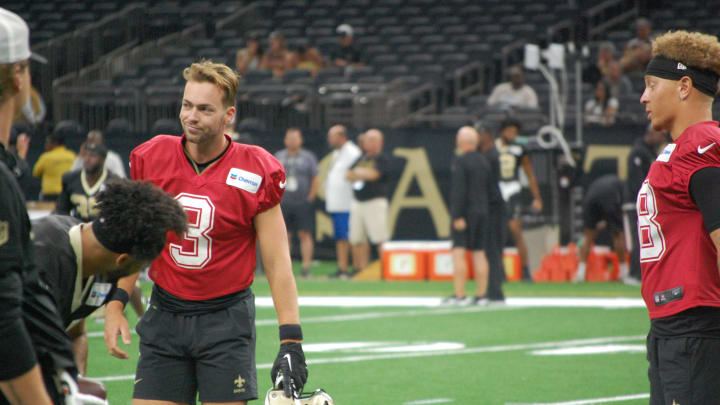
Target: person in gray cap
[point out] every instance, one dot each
(515, 93)
(345, 54)
(30, 326)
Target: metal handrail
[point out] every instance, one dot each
(461, 72)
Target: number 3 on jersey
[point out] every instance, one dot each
(652, 240)
(201, 216)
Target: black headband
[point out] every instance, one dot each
(665, 68)
(106, 238)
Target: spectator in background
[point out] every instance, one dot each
(610, 71)
(274, 59)
(638, 52)
(642, 155)
(301, 185)
(249, 58)
(514, 93)
(112, 162)
(338, 193)
(52, 164)
(603, 108)
(304, 57)
(370, 177)
(346, 53)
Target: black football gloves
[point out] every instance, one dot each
(290, 364)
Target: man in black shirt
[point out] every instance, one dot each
(81, 262)
(497, 218)
(602, 208)
(643, 154)
(470, 192)
(28, 344)
(345, 54)
(368, 211)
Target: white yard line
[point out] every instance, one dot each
(383, 301)
(430, 401)
(620, 398)
(429, 302)
(470, 350)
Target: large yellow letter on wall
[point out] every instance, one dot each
(418, 168)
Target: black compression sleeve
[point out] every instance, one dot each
(705, 191)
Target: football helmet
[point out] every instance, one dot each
(277, 396)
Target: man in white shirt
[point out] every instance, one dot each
(339, 194)
(113, 161)
(514, 93)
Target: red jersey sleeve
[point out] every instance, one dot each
(273, 186)
(701, 150)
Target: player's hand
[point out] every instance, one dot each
(290, 362)
(537, 205)
(116, 324)
(459, 224)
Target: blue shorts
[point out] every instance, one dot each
(340, 225)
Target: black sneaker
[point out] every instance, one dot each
(480, 301)
(340, 274)
(454, 300)
(305, 273)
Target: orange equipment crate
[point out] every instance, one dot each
(405, 260)
(512, 264)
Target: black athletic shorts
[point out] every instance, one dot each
(515, 205)
(212, 354)
(298, 216)
(474, 237)
(683, 370)
(596, 210)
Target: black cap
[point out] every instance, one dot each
(97, 148)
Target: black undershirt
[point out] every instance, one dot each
(202, 166)
(705, 192)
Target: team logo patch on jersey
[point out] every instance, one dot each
(665, 155)
(98, 293)
(244, 179)
(4, 232)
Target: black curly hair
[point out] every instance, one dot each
(134, 218)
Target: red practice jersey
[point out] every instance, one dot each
(217, 256)
(678, 258)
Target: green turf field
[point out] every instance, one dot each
(456, 355)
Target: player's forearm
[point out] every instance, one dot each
(284, 293)
(126, 283)
(275, 253)
(366, 173)
(80, 349)
(313, 188)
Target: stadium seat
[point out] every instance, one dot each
(257, 76)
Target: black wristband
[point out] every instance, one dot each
(120, 295)
(290, 332)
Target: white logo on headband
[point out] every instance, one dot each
(680, 66)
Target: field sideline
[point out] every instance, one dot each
(549, 344)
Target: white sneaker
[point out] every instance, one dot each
(455, 301)
(481, 301)
(580, 275)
